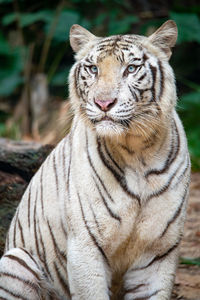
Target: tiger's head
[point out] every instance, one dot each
(123, 82)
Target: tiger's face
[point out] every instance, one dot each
(119, 84)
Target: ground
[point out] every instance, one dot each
(187, 282)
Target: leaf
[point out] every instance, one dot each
(6, 1)
(27, 19)
(100, 19)
(66, 20)
(188, 26)
(188, 100)
(8, 85)
(11, 59)
(4, 46)
(60, 78)
(190, 261)
(9, 18)
(120, 26)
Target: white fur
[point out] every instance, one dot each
(97, 221)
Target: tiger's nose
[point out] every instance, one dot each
(105, 105)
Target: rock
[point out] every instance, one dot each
(22, 158)
(18, 163)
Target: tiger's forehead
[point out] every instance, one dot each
(124, 47)
(109, 67)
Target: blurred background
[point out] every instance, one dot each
(35, 58)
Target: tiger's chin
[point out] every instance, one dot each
(109, 128)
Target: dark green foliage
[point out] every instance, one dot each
(189, 110)
(45, 25)
(11, 66)
(190, 261)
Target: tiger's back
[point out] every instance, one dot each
(103, 217)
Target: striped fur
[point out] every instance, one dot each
(103, 217)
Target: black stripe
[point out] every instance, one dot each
(124, 48)
(69, 169)
(90, 233)
(15, 228)
(31, 257)
(41, 190)
(2, 298)
(142, 77)
(135, 288)
(86, 70)
(16, 295)
(64, 230)
(64, 161)
(29, 206)
(35, 225)
(165, 187)
(94, 170)
(44, 259)
(147, 296)
(161, 79)
(176, 214)
(122, 58)
(62, 281)
(125, 122)
(101, 48)
(150, 142)
(76, 81)
(179, 178)
(145, 57)
(107, 163)
(111, 158)
(24, 281)
(22, 263)
(112, 214)
(107, 41)
(131, 54)
(125, 110)
(21, 233)
(120, 179)
(88, 60)
(130, 152)
(136, 59)
(95, 219)
(123, 44)
(135, 97)
(59, 254)
(55, 172)
(76, 77)
(160, 257)
(7, 242)
(128, 40)
(153, 73)
(170, 158)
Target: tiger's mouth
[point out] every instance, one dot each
(123, 122)
(105, 118)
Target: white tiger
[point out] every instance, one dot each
(103, 217)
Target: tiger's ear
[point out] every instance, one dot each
(79, 37)
(165, 37)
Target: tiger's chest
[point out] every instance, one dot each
(119, 208)
(111, 204)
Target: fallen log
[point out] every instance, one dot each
(18, 163)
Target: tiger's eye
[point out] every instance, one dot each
(131, 68)
(94, 69)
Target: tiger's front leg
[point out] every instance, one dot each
(89, 276)
(20, 276)
(154, 281)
